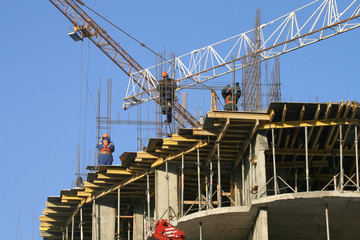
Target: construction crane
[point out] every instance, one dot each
(86, 27)
(277, 37)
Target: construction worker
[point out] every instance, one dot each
(106, 148)
(166, 89)
(231, 98)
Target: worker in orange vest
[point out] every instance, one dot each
(166, 89)
(231, 97)
(106, 148)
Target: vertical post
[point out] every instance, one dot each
(198, 173)
(219, 175)
(72, 228)
(63, 235)
(250, 172)
(200, 230)
(211, 182)
(296, 177)
(243, 182)
(307, 161)
(274, 161)
(341, 161)
(182, 186)
(129, 228)
(327, 222)
(67, 233)
(94, 220)
(357, 158)
(118, 215)
(148, 202)
(168, 189)
(81, 225)
(206, 191)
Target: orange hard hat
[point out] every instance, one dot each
(164, 74)
(105, 135)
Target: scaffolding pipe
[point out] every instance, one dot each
(219, 175)
(81, 225)
(274, 161)
(243, 182)
(250, 173)
(168, 189)
(118, 215)
(211, 182)
(198, 173)
(67, 233)
(307, 161)
(148, 202)
(129, 229)
(357, 158)
(182, 186)
(72, 228)
(327, 222)
(341, 161)
(200, 230)
(63, 235)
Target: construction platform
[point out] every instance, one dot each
(289, 172)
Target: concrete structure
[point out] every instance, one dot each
(288, 173)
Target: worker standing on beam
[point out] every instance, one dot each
(231, 97)
(166, 89)
(106, 148)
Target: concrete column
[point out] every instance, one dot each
(261, 144)
(138, 228)
(103, 225)
(161, 193)
(260, 227)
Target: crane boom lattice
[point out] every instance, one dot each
(279, 36)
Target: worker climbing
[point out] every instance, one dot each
(106, 148)
(231, 97)
(166, 89)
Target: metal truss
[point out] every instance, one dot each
(282, 35)
(90, 29)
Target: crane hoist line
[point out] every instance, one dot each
(88, 28)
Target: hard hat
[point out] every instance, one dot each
(164, 74)
(230, 90)
(105, 135)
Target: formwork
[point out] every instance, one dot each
(289, 172)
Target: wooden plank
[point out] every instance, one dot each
(309, 123)
(252, 116)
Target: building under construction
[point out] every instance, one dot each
(290, 172)
(274, 170)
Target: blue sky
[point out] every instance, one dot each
(41, 69)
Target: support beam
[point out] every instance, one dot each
(218, 139)
(310, 123)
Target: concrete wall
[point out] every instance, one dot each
(161, 193)
(138, 228)
(259, 230)
(104, 222)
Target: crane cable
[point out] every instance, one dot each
(127, 34)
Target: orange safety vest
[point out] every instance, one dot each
(227, 99)
(106, 149)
